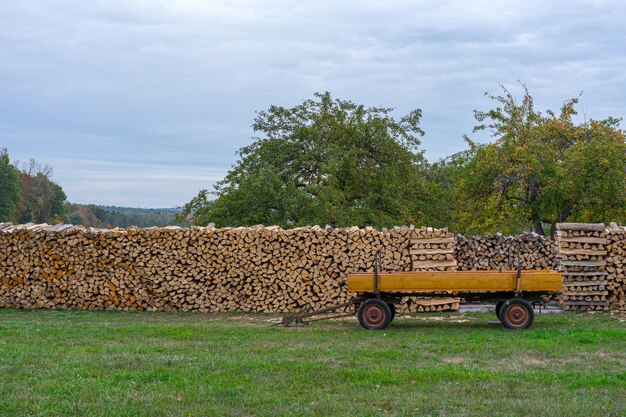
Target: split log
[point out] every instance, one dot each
(581, 227)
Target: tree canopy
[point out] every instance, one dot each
(329, 161)
(325, 161)
(542, 169)
(28, 194)
(332, 161)
(41, 199)
(9, 188)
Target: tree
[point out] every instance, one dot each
(325, 161)
(9, 188)
(41, 200)
(543, 169)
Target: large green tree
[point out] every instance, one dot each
(542, 169)
(9, 188)
(324, 161)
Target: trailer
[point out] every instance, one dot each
(378, 293)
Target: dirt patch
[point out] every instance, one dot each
(453, 359)
(619, 316)
(447, 319)
(522, 361)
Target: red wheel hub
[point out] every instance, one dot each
(517, 315)
(374, 315)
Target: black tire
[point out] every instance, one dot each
(517, 314)
(374, 314)
(392, 307)
(499, 308)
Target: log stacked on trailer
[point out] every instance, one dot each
(432, 250)
(582, 254)
(498, 252)
(616, 267)
(430, 305)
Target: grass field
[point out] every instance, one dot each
(164, 364)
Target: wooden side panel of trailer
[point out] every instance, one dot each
(456, 281)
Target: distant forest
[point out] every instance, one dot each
(113, 216)
(29, 195)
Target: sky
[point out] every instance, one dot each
(144, 102)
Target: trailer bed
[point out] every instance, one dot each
(429, 282)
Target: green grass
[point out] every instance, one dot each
(190, 364)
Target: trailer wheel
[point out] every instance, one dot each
(517, 314)
(374, 314)
(499, 308)
(392, 307)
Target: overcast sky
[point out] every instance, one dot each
(144, 102)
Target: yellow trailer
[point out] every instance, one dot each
(514, 290)
(377, 294)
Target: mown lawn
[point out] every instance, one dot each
(189, 364)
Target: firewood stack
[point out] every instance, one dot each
(583, 259)
(206, 269)
(498, 252)
(616, 267)
(432, 250)
(272, 269)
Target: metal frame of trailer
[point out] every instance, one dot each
(377, 294)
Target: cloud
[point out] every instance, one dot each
(142, 185)
(177, 83)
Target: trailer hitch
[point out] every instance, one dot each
(305, 315)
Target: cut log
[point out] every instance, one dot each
(585, 227)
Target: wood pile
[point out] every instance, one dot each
(206, 269)
(432, 305)
(616, 268)
(583, 259)
(498, 252)
(271, 269)
(432, 250)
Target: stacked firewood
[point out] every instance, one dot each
(498, 252)
(272, 269)
(616, 267)
(430, 305)
(205, 269)
(583, 259)
(432, 250)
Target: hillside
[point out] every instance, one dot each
(114, 216)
